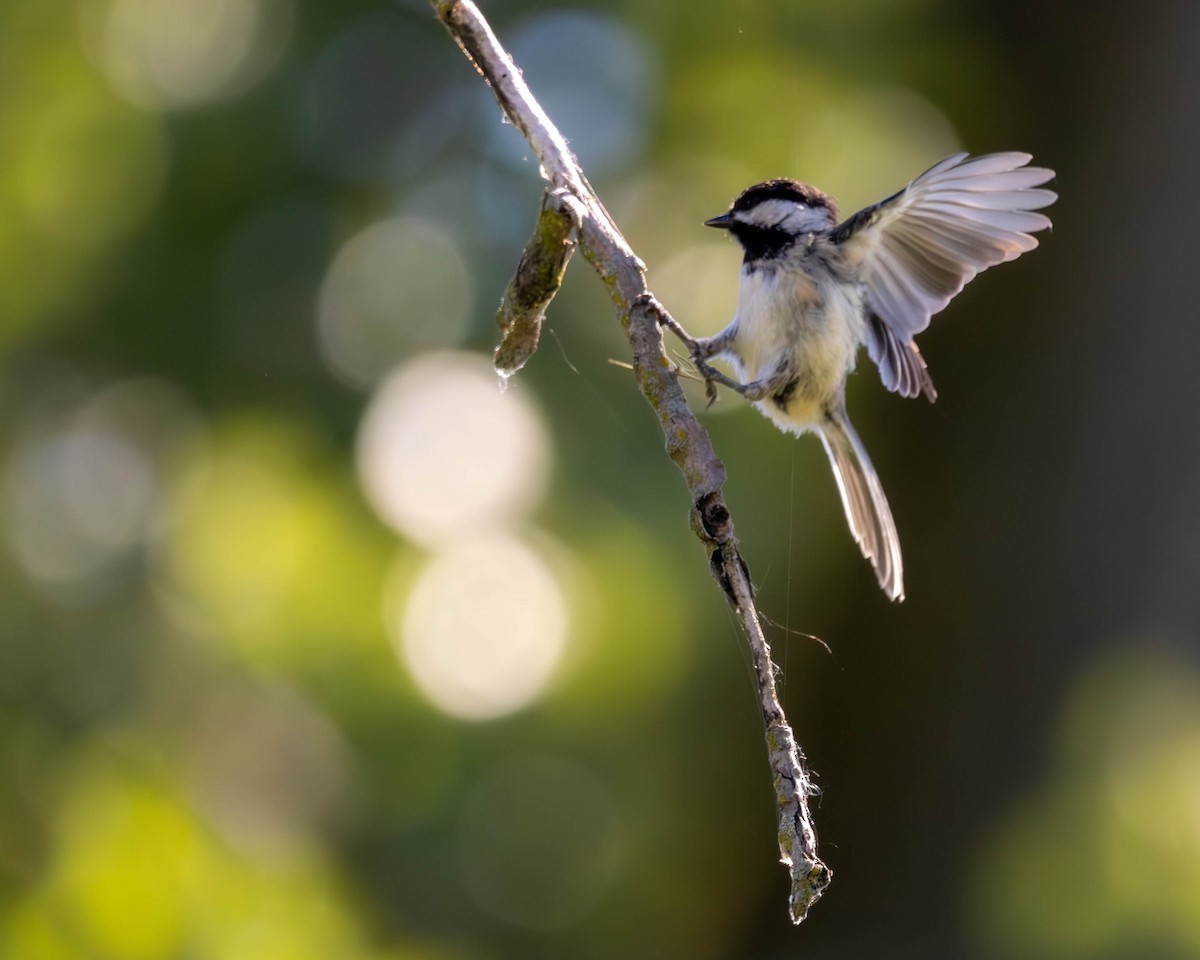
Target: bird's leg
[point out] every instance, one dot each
(757, 390)
(781, 383)
(701, 350)
(712, 376)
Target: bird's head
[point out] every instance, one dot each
(768, 217)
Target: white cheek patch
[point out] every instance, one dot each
(772, 213)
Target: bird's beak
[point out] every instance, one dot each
(723, 222)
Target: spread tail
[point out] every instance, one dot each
(866, 506)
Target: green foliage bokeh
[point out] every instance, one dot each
(224, 226)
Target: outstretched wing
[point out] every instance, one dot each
(918, 248)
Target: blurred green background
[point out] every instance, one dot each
(312, 645)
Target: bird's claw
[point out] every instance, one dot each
(711, 377)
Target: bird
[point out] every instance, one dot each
(814, 290)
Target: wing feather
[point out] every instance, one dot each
(1016, 221)
(899, 365)
(1000, 199)
(918, 248)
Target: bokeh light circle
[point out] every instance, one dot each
(484, 628)
(700, 282)
(186, 52)
(77, 500)
(863, 144)
(443, 453)
(361, 90)
(82, 486)
(399, 286)
(266, 767)
(593, 76)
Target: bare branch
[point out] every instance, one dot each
(687, 442)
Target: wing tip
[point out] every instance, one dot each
(998, 162)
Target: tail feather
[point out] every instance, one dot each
(865, 504)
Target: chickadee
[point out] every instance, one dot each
(814, 290)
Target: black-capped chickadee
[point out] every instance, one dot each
(814, 290)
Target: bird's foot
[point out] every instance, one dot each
(700, 350)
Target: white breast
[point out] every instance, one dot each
(784, 317)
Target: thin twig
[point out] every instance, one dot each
(687, 442)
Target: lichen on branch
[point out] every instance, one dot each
(537, 279)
